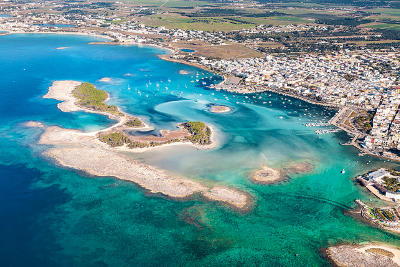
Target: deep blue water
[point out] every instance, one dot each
(52, 216)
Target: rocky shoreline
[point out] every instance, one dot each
(355, 255)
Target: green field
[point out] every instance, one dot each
(175, 21)
(171, 3)
(202, 24)
(215, 16)
(386, 26)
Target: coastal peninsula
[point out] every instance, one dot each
(85, 152)
(385, 185)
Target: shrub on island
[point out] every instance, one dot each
(92, 98)
(115, 139)
(135, 122)
(200, 132)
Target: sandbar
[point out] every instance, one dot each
(105, 79)
(78, 150)
(371, 254)
(219, 109)
(33, 124)
(83, 151)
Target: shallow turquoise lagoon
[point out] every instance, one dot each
(59, 217)
(57, 25)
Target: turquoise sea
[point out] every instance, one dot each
(51, 216)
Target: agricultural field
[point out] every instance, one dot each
(174, 21)
(215, 16)
(227, 51)
(171, 3)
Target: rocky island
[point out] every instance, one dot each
(268, 175)
(363, 255)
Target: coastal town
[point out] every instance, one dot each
(360, 79)
(343, 58)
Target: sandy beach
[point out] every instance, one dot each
(220, 109)
(74, 149)
(83, 151)
(371, 254)
(62, 91)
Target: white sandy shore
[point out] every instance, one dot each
(83, 151)
(371, 254)
(64, 33)
(71, 148)
(62, 91)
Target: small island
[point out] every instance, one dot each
(370, 254)
(99, 153)
(268, 175)
(220, 109)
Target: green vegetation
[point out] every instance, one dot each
(394, 172)
(199, 131)
(119, 138)
(135, 122)
(216, 16)
(92, 98)
(391, 183)
(170, 3)
(114, 139)
(364, 122)
(380, 251)
(383, 214)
